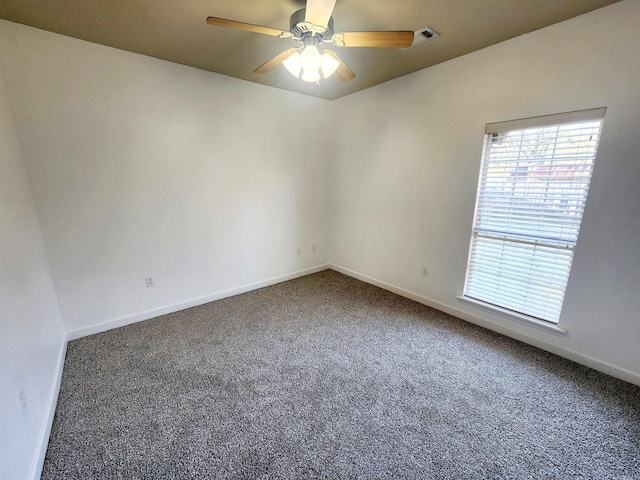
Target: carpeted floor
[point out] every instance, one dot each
(329, 377)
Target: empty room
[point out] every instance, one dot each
(320, 239)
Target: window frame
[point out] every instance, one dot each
(562, 119)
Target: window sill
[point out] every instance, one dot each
(518, 317)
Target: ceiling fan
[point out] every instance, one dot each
(312, 28)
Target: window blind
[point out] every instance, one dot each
(534, 180)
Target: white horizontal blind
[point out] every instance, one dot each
(531, 196)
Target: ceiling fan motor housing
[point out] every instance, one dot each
(301, 29)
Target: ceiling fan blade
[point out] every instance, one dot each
(319, 12)
(397, 39)
(343, 72)
(223, 22)
(275, 61)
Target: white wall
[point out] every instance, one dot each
(141, 167)
(31, 333)
(408, 162)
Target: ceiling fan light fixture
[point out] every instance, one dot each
(310, 62)
(310, 69)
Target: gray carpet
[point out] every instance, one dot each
(329, 377)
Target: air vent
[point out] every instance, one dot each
(423, 35)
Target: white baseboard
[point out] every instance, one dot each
(596, 364)
(138, 317)
(43, 442)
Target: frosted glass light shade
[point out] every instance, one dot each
(310, 58)
(329, 65)
(293, 64)
(310, 75)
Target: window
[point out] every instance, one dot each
(533, 185)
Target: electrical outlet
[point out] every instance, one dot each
(22, 398)
(149, 282)
(313, 248)
(425, 272)
(299, 251)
